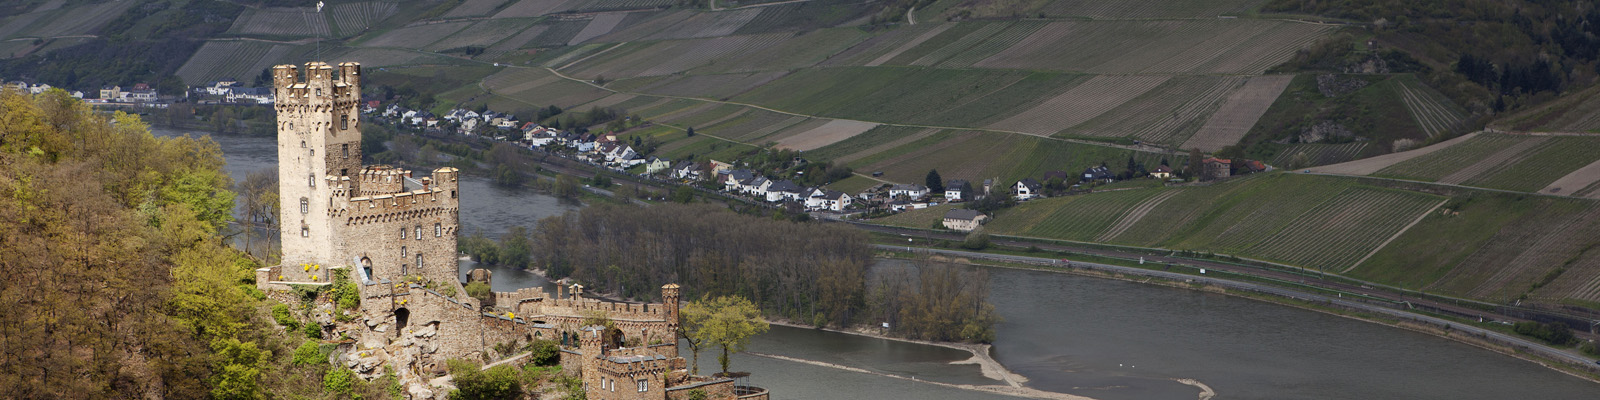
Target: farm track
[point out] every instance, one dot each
(1134, 215)
(1506, 156)
(1369, 166)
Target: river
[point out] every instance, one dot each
(1100, 338)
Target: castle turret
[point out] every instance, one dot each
(317, 138)
(590, 339)
(669, 305)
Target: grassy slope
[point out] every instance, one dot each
(1374, 112)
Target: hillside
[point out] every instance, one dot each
(1474, 244)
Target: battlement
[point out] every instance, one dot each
(322, 83)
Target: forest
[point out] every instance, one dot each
(118, 283)
(1488, 55)
(806, 272)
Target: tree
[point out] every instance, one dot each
(935, 183)
(727, 322)
(690, 132)
(567, 187)
(1196, 164)
(473, 382)
(683, 194)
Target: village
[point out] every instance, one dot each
(606, 149)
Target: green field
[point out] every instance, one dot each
(1498, 161)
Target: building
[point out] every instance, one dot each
(1161, 172)
(962, 219)
(394, 235)
(957, 190)
(1217, 168)
(912, 191)
(110, 93)
(1099, 174)
(656, 164)
(1025, 189)
(828, 200)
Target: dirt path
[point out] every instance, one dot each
(1505, 156)
(1575, 181)
(1368, 166)
(910, 18)
(1395, 236)
(1134, 216)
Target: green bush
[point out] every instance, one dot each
(339, 380)
(1589, 348)
(479, 290)
(1553, 333)
(474, 383)
(281, 314)
(308, 354)
(545, 353)
(313, 331)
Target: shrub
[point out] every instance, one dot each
(308, 354)
(281, 314)
(313, 331)
(480, 291)
(339, 380)
(473, 383)
(545, 353)
(976, 241)
(1589, 348)
(1553, 333)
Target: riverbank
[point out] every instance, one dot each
(1505, 344)
(991, 368)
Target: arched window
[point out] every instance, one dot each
(346, 148)
(419, 261)
(302, 142)
(311, 180)
(402, 252)
(402, 233)
(419, 232)
(305, 205)
(438, 230)
(305, 231)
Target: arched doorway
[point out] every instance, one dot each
(401, 317)
(366, 266)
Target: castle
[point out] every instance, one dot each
(394, 235)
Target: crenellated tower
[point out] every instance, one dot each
(318, 138)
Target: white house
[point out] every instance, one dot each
(911, 191)
(956, 190)
(783, 190)
(656, 164)
(962, 219)
(827, 200)
(1027, 188)
(685, 170)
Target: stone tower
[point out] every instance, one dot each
(318, 138)
(669, 305)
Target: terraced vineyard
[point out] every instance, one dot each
(1436, 115)
(1135, 9)
(481, 34)
(1081, 103)
(1239, 46)
(49, 20)
(238, 59)
(291, 22)
(1510, 162)
(1309, 155)
(351, 19)
(416, 37)
(474, 8)
(1340, 232)
(1169, 113)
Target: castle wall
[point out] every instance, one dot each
(370, 228)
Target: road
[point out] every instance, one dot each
(1277, 291)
